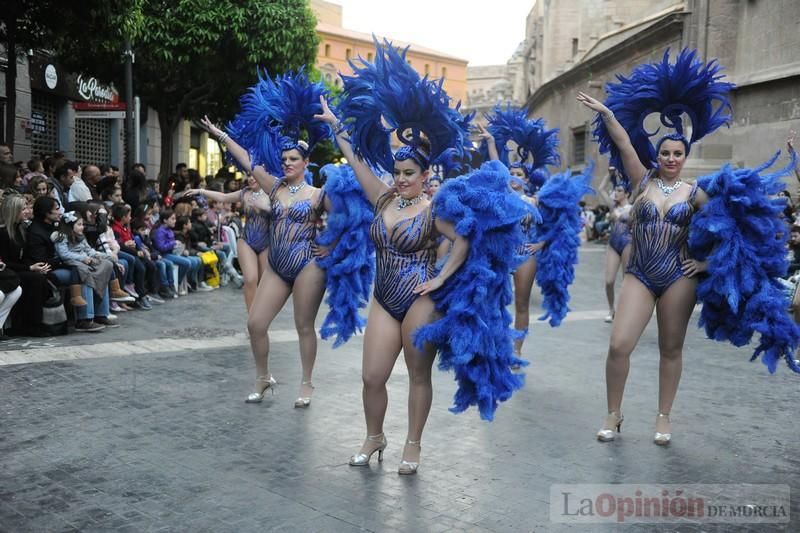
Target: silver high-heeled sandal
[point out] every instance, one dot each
(362, 459)
(662, 439)
(304, 401)
(257, 397)
(607, 435)
(409, 468)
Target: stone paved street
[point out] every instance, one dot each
(147, 430)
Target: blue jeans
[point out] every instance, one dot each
(134, 272)
(183, 263)
(164, 267)
(69, 276)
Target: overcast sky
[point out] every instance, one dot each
(469, 29)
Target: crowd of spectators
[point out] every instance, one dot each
(89, 242)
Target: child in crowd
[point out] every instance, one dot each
(120, 220)
(183, 236)
(164, 242)
(94, 270)
(141, 234)
(203, 239)
(124, 235)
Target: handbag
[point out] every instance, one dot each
(54, 316)
(210, 260)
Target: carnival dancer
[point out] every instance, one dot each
(264, 139)
(251, 247)
(404, 231)
(619, 234)
(725, 225)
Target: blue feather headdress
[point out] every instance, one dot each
(389, 96)
(689, 86)
(276, 115)
(534, 142)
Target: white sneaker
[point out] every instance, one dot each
(111, 317)
(203, 287)
(609, 318)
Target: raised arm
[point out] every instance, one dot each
(602, 191)
(265, 179)
(633, 167)
(217, 196)
(373, 187)
(790, 147)
(484, 134)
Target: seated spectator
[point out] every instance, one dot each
(39, 248)
(26, 315)
(111, 194)
(141, 234)
(10, 291)
(163, 238)
(94, 268)
(203, 239)
(39, 186)
(794, 251)
(183, 238)
(120, 225)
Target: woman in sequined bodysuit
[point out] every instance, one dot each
(660, 274)
(296, 209)
(405, 235)
(619, 237)
(251, 247)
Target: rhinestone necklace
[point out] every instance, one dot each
(668, 189)
(402, 202)
(294, 189)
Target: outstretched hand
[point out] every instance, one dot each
(326, 115)
(592, 103)
(210, 127)
(484, 134)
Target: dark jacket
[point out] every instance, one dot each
(11, 252)
(201, 233)
(39, 247)
(163, 239)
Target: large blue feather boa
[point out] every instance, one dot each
(350, 266)
(742, 236)
(474, 336)
(560, 230)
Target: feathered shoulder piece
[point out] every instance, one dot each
(742, 236)
(389, 96)
(278, 114)
(532, 138)
(689, 86)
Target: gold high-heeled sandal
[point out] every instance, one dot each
(662, 439)
(409, 468)
(362, 459)
(257, 397)
(607, 435)
(304, 401)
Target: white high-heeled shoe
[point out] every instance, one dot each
(362, 459)
(258, 397)
(662, 439)
(607, 435)
(304, 401)
(409, 468)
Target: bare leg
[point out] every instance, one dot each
(263, 263)
(271, 295)
(248, 261)
(634, 310)
(523, 282)
(382, 344)
(613, 261)
(419, 364)
(673, 311)
(309, 288)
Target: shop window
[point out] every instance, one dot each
(444, 72)
(92, 141)
(44, 125)
(348, 53)
(327, 50)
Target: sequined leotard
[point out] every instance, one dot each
(292, 233)
(620, 234)
(256, 228)
(659, 244)
(406, 255)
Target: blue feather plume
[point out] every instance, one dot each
(390, 91)
(533, 139)
(687, 86)
(560, 230)
(741, 233)
(474, 336)
(275, 114)
(350, 265)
